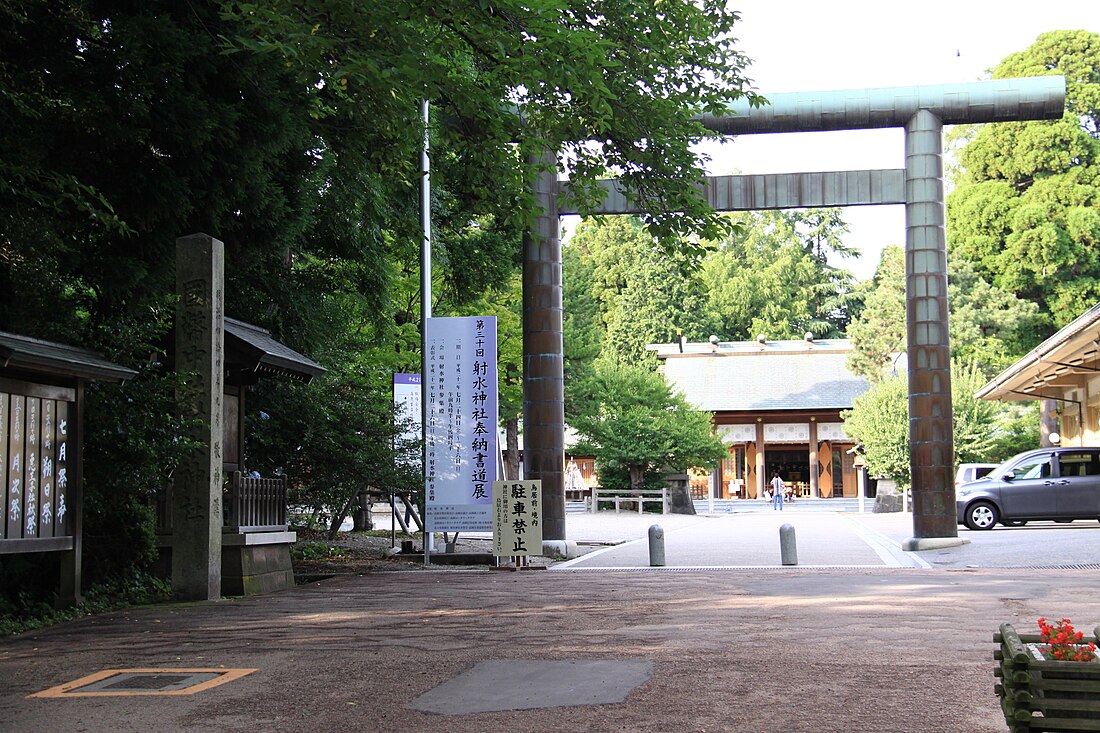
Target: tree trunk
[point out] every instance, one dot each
(637, 476)
(511, 450)
(338, 517)
(361, 515)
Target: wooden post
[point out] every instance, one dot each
(70, 430)
(815, 468)
(761, 465)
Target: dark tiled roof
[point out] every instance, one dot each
(264, 355)
(35, 355)
(776, 375)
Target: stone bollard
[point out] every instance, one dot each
(788, 548)
(656, 546)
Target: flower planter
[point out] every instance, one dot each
(1038, 694)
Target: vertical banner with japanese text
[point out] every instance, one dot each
(460, 387)
(406, 400)
(517, 518)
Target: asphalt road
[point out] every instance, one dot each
(751, 540)
(1036, 545)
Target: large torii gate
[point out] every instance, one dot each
(922, 111)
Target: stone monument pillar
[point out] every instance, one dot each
(200, 358)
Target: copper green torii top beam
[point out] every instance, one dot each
(999, 100)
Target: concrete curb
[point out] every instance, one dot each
(932, 543)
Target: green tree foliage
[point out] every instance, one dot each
(879, 421)
(624, 292)
(774, 277)
(1026, 207)
(879, 332)
(612, 85)
(346, 438)
(637, 427)
(290, 130)
(132, 454)
(988, 325)
(582, 323)
(984, 431)
(645, 293)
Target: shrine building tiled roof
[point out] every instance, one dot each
(763, 375)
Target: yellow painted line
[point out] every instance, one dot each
(65, 690)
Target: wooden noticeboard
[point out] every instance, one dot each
(34, 455)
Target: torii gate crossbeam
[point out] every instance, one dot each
(922, 111)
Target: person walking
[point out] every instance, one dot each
(778, 487)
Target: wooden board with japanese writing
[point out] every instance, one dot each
(517, 518)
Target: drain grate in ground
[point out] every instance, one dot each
(145, 682)
(526, 684)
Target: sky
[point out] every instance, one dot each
(802, 45)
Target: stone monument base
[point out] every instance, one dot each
(253, 563)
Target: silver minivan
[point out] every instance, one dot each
(1060, 484)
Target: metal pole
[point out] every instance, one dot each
(425, 312)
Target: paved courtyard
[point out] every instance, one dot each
(874, 646)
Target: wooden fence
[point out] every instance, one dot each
(248, 505)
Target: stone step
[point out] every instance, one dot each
(734, 506)
(804, 504)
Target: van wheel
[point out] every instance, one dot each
(981, 515)
(1014, 522)
(1062, 521)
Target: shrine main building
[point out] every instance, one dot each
(777, 406)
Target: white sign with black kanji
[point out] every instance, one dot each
(517, 518)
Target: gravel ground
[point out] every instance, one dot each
(372, 552)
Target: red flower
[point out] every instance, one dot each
(1063, 643)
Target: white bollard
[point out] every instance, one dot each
(788, 549)
(656, 546)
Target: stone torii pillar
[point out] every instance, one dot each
(922, 111)
(543, 360)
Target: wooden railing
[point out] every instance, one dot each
(255, 504)
(248, 505)
(635, 497)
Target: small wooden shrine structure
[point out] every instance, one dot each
(41, 427)
(255, 539)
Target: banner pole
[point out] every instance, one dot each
(425, 314)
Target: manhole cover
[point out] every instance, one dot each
(498, 685)
(148, 682)
(144, 682)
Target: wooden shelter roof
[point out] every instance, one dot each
(251, 350)
(1063, 360)
(25, 354)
